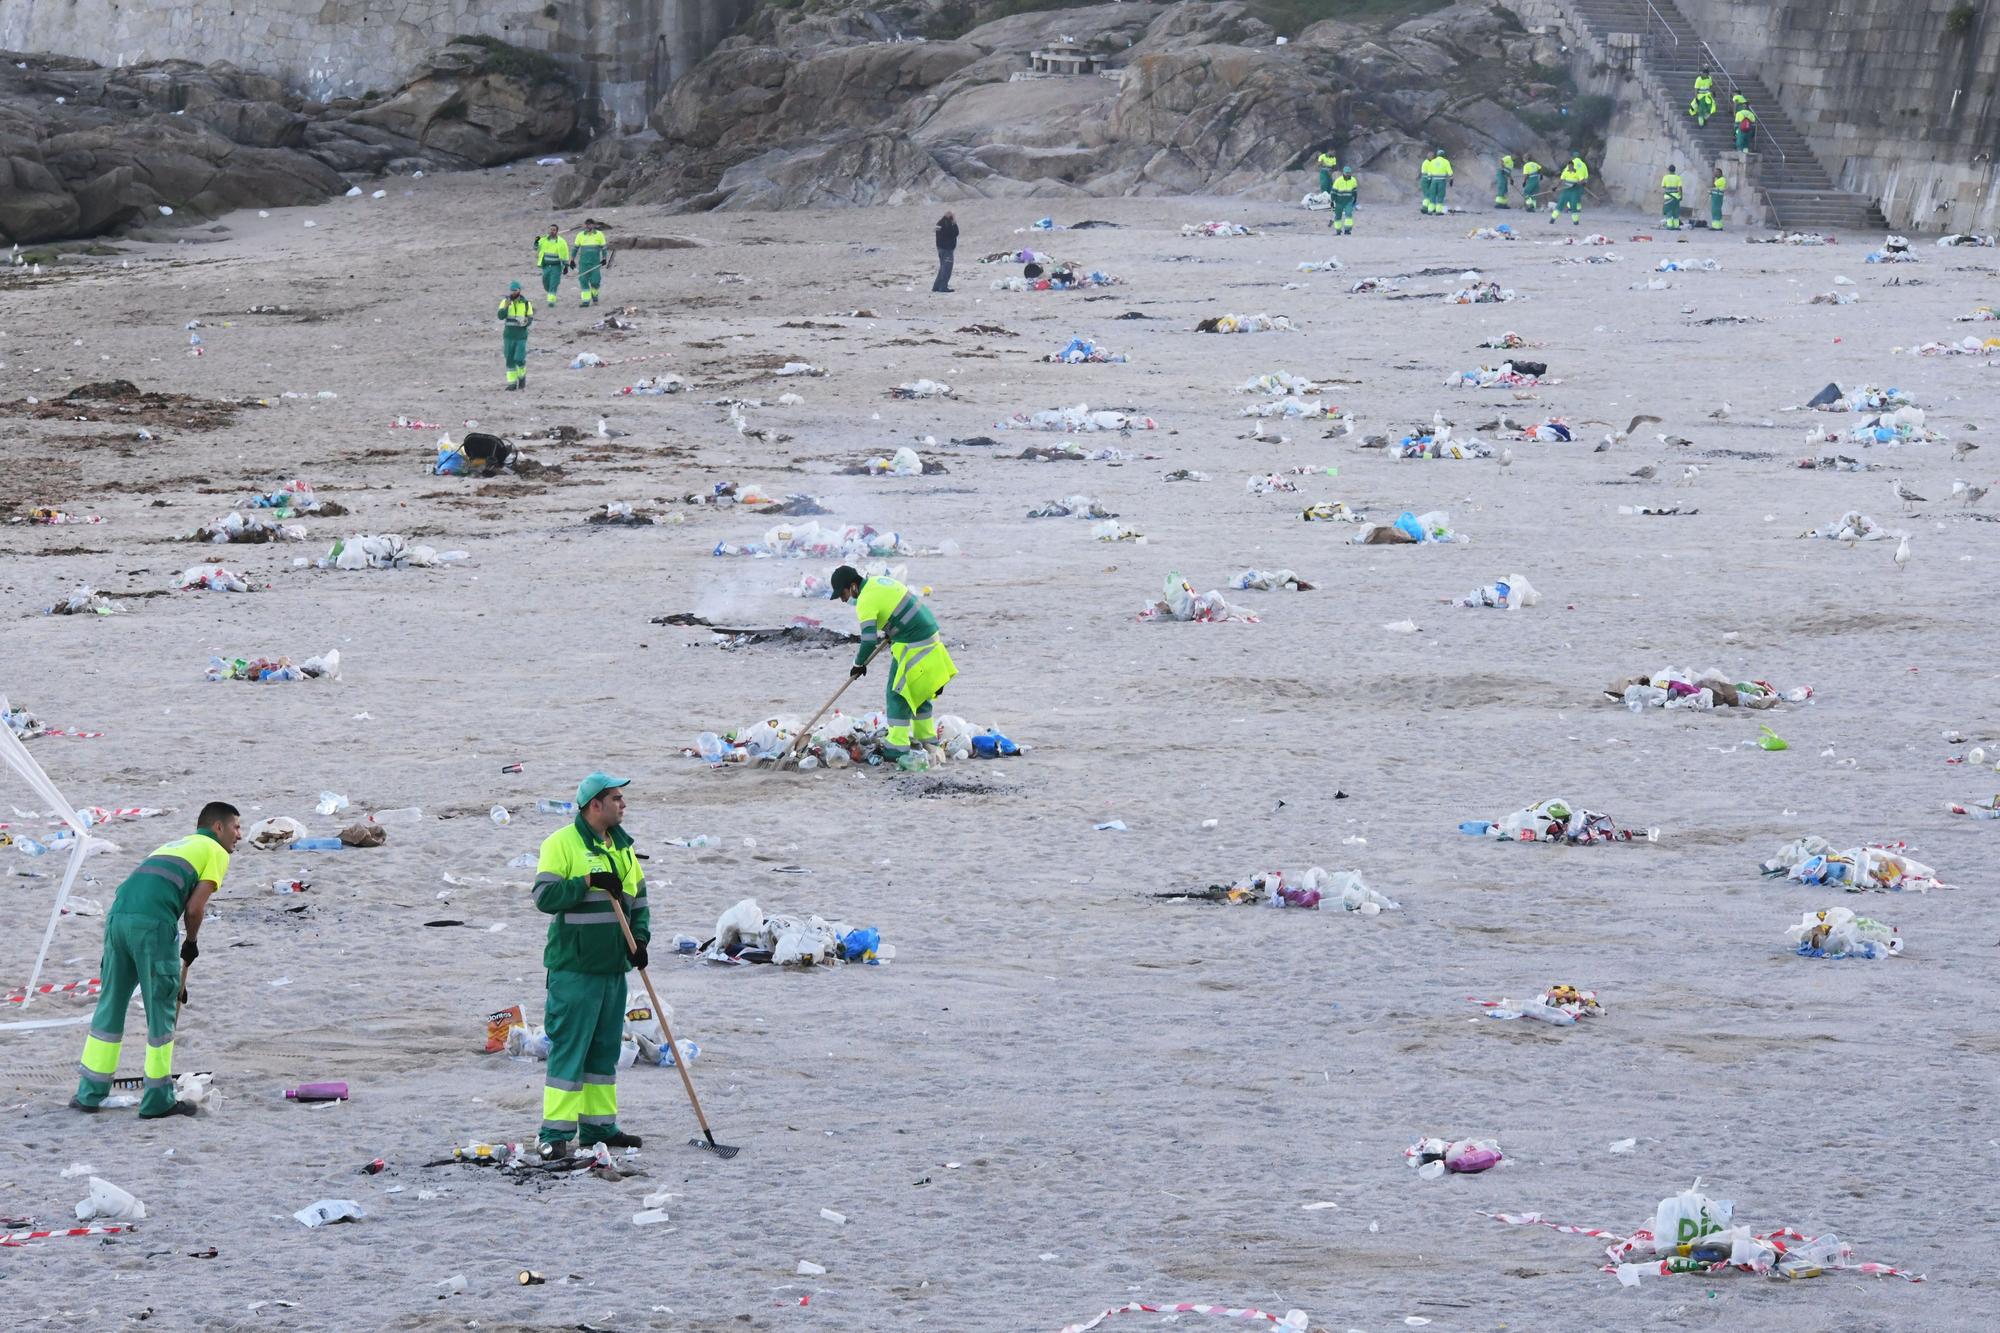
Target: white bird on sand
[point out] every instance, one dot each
(603, 429)
(1719, 413)
(1675, 441)
(1689, 473)
(1903, 551)
(1959, 488)
(1909, 498)
(1506, 457)
(1619, 436)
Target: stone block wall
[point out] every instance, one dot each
(623, 53)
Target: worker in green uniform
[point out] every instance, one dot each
(516, 314)
(1503, 181)
(1440, 178)
(552, 254)
(172, 884)
(1344, 192)
(1570, 200)
(582, 865)
(1715, 199)
(1531, 185)
(1703, 105)
(1327, 162)
(593, 256)
(1670, 199)
(1746, 127)
(919, 666)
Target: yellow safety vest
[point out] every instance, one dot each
(1443, 165)
(590, 247)
(1671, 183)
(1345, 184)
(1702, 83)
(1507, 162)
(1531, 168)
(1575, 173)
(1329, 161)
(1720, 185)
(551, 249)
(517, 308)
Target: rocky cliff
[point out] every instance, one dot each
(1198, 97)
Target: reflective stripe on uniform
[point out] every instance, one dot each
(904, 610)
(160, 1059)
(603, 918)
(100, 1054)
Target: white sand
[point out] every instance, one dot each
(1063, 1094)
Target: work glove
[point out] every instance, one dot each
(857, 671)
(638, 957)
(189, 951)
(606, 880)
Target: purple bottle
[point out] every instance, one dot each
(317, 1092)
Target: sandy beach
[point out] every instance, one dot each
(1066, 1092)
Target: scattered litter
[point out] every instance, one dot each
(1182, 602)
(214, 578)
(86, 600)
(1327, 265)
(1244, 324)
(1076, 506)
(1410, 529)
(1559, 1006)
(107, 1202)
(1078, 420)
(1678, 687)
(1485, 293)
(1509, 594)
(851, 542)
(1506, 375)
(1206, 229)
(1703, 265)
(328, 1211)
(324, 667)
(386, 550)
(1814, 860)
(923, 389)
(802, 368)
(248, 528)
(1292, 1321)
(1341, 888)
(1079, 351)
(1270, 580)
(1431, 1158)
(1555, 820)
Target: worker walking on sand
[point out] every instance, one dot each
(593, 256)
(1715, 199)
(516, 314)
(947, 250)
(1327, 162)
(1570, 200)
(1344, 192)
(1670, 199)
(919, 666)
(1703, 105)
(552, 254)
(581, 866)
(1503, 181)
(171, 885)
(1531, 185)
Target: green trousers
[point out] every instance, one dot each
(514, 347)
(1670, 212)
(1531, 192)
(585, 1020)
(1503, 183)
(551, 278)
(1343, 215)
(1325, 181)
(588, 280)
(1715, 210)
(1570, 201)
(1742, 140)
(139, 952)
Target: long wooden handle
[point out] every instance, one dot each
(805, 733)
(660, 1013)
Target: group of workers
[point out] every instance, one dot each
(1742, 115)
(588, 256)
(1568, 200)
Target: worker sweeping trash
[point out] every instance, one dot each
(919, 666)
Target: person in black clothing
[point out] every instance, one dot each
(947, 246)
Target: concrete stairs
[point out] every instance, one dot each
(1798, 193)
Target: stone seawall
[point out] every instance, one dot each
(623, 53)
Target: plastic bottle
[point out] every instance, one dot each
(317, 845)
(402, 814)
(702, 841)
(290, 886)
(317, 1092)
(915, 761)
(498, 814)
(29, 847)
(548, 807)
(686, 944)
(1475, 827)
(711, 747)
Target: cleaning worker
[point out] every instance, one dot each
(1437, 180)
(1571, 199)
(1344, 192)
(593, 256)
(1746, 125)
(172, 884)
(1327, 162)
(1715, 199)
(1531, 185)
(919, 666)
(1503, 181)
(516, 314)
(1670, 199)
(1703, 105)
(552, 254)
(582, 864)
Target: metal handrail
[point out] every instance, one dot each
(1714, 63)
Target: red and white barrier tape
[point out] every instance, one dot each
(1221, 1311)
(16, 1238)
(91, 987)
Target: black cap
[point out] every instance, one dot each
(847, 576)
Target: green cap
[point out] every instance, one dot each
(595, 785)
(513, 286)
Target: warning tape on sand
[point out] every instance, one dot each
(16, 1238)
(86, 988)
(1286, 1321)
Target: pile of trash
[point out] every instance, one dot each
(727, 494)
(1270, 580)
(1429, 446)
(1270, 484)
(1292, 409)
(1410, 530)
(1331, 511)
(1838, 933)
(1813, 860)
(1279, 384)
(385, 550)
(1431, 1158)
(1675, 687)
(1058, 278)
(1069, 451)
(1868, 398)
(1692, 1233)
(1076, 506)
(1081, 350)
(1592, 238)
(1327, 265)
(1560, 1006)
(1215, 229)
(1965, 238)
(1555, 428)
(663, 383)
(623, 514)
(1981, 315)
(1079, 419)
(1852, 526)
(1481, 293)
(1244, 324)
(797, 541)
(805, 368)
(1555, 820)
(324, 667)
(86, 600)
(1505, 342)
(1606, 258)
(1186, 474)
(212, 577)
(1503, 232)
(1703, 265)
(294, 497)
(44, 516)
(1508, 594)
(743, 934)
(923, 389)
(905, 463)
(587, 361)
(1506, 375)
(1182, 602)
(1835, 463)
(644, 1041)
(1793, 238)
(1342, 888)
(820, 586)
(1895, 250)
(1111, 530)
(1835, 298)
(839, 741)
(248, 528)
(1375, 285)
(1966, 346)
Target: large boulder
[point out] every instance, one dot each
(480, 101)
(757, 95)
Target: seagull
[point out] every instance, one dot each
(1619, 436)
(1974, 494)
(603, 429)
(1962, 450)
(1689, 473)
(1375, 442)
(1646, 473)
(1959, 488)
(1903, 551)
(1506, 457)
(1721, 412)
(1676, 441)
(1909, 498)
